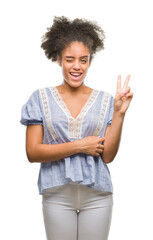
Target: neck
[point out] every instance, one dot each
(66, 87)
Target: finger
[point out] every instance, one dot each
(101, 139)
(119, 96)
(123, 94)
(129, 95)
(127, 90)
(100, 146)
(97, 154)
(126, 81)
(100, 150)
(119, 82)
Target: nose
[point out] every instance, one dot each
(76, 65)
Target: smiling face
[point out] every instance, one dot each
(75, 61)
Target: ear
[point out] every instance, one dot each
(59, 61)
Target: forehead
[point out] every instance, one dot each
(76, 49)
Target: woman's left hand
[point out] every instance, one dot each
(123, 96)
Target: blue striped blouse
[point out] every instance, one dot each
(46, 107)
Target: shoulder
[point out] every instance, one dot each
(105, 94)
(38, 94)
(43, 91)
(45, 88)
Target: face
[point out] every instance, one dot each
(75, 61)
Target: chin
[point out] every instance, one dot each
(74, 84)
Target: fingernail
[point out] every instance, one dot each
(125, 92)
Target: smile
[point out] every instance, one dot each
(76, 74)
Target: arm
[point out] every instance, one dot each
(39, 152)
(113, 134)
(112, 139)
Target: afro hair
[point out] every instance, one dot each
(64, 31)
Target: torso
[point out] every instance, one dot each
(75, 101)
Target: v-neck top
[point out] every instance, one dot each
(66, 109)
(46, 107)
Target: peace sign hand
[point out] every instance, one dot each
(123, 96)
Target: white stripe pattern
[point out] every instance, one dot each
(104, 107)
(47, 113)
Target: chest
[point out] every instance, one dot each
(75, 105)
(75, 118)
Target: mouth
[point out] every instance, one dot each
(75, 75)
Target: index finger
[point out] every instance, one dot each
(126, 81)
(119, 82)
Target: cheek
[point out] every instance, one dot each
(85, 69)
(65, 72)
(65, 68)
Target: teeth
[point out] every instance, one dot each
(76, 74)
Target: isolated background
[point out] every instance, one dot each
(24, 68)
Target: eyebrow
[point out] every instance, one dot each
(80, 57)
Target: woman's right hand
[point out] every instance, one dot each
(92, 145)
(37, 151)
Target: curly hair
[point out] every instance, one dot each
(64, 31)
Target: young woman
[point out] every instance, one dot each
(74, 132)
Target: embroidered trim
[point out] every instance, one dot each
(59, 101)
(104, 107)
(74, 127)
(74, 124)
(47, 113)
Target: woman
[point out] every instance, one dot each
(74, 132)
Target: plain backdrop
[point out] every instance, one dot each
(24, 68)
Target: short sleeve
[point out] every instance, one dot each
(31, 112)
(110, 111)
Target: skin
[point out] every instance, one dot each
(74, 59)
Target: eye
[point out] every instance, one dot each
(68, 60)
(83, 61)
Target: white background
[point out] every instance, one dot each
(24, 68)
